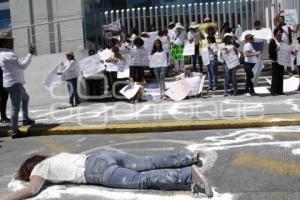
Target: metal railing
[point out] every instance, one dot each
(243, 12)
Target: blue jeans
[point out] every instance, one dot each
(121, 170)
(212, 69)
(72, 88)
(229, 76)
(160, 74)
(18, 95)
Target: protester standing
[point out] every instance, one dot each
(277, 69)
(194, 36)
(212, 68)
(70, 74)
(258, 44)
(177, 39)
(251, 58)
(3, 100)
(160, 72)
(13, 80)
(298, 64)
(138, 48)
(229, 74)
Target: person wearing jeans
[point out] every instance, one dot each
(229, 74)
(70, 73)
(13, 80)
(114, 169)
(212, 68)
(160, 72)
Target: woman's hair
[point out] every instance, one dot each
(227, 40)
(211, 39)
(155, 49)
(26, 168)
(138, 42)
(276, 30)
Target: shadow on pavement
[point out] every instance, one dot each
(41, 129)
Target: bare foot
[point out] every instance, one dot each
(196, 159)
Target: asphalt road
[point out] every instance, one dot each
(256, 164)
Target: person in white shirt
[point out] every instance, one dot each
(188, 73)
(194, 36)
(229, 74)
(70, 73)
(212, 68)
(115, 169)
(177, 39)
(13, 80)
(258, 44)
(251, 58)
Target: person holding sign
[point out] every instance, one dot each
(13, 81)
(177, 41)
(194, 37)
(298, 60)
(188, 73)
(229, 73)
(277, 69)
(160, 71)
(279, 21)
(251, 58)
(70, 73)
(212, 68)
(137, 53)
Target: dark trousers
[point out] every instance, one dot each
(197, 57)
(72, 88)
(249, 75)
(3, 102)
(277, 78)
(137, 73)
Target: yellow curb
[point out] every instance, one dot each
(161, 126)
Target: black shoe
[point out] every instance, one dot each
(5, 120)
(28, 122)
(18, 134)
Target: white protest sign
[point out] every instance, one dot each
(139, 57)
(158, 59)
(231, 59)
(112, 66)
(291, 84)
(189, 48)
(112, 30)
(197, 84)
(263, 34)
(91, 65)
(52, 79)
(298, 56)
(291, 17)
(149, 42)
(105, 54)
(284, 54)
(129, 91)
(205, 56)
(179, 90)
(123, 70)
(258, 67)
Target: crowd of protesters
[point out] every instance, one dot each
(204, 35)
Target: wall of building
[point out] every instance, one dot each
(44, 14)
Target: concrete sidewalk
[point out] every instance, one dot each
(194, 114)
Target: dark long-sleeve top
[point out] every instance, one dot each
(273, 50)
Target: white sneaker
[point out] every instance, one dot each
(247, 95)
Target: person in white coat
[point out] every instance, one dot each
(13, 80)
(70, 73)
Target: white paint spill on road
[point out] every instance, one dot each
(296, 151)
(76, 191)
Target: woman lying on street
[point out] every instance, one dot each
(110, 168)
